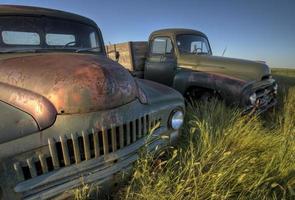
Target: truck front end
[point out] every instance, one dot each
(259, 96)
(94, 148)
(247, 84)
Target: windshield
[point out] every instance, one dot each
(19, 33)
(193, 44)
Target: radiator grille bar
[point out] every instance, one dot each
(53, 153)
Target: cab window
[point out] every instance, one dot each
(20, 38)
(55, 39)
(161, 45)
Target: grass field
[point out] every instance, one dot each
(225, 156)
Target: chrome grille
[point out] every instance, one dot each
(76, 148)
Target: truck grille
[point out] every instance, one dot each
(76, 148)
(265, 95)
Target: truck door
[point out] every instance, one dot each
(160, 65)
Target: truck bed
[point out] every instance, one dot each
(132, 55)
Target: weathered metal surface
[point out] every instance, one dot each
(67, 124)
(26, 100)
(231, 67)
(102, 172)
(73, 83)
(15, 123)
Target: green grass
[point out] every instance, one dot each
(225, 156)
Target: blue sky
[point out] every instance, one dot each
(252, 29)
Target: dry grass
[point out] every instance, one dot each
(225, 156)
(222, 155)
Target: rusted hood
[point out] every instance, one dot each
(73, 83)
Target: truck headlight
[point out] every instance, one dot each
(176, 119)
(253, 98)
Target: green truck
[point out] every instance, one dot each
(182, 59)
(69, 115)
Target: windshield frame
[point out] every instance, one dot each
(193, 34)
(43, 46)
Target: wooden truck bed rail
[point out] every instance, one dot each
(131, 55)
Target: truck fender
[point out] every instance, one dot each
(227, 87)
(39, 107)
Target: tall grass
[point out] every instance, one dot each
(223, 155)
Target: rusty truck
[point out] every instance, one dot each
(69, 115)
(183, 59)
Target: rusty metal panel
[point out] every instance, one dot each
(75, 83)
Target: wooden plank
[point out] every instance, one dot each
(132, 54)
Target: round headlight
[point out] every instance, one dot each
(253, 98)
(176, 119)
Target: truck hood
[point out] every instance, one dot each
(73, 83)
(242, 69)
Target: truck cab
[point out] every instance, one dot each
(183, 59)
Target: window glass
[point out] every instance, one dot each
(94, 41)
(194, 44)
(55, 39)
(20, 38)
(162, 45)
(23, 32)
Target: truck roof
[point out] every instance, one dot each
(176, 31)
(16, 10)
